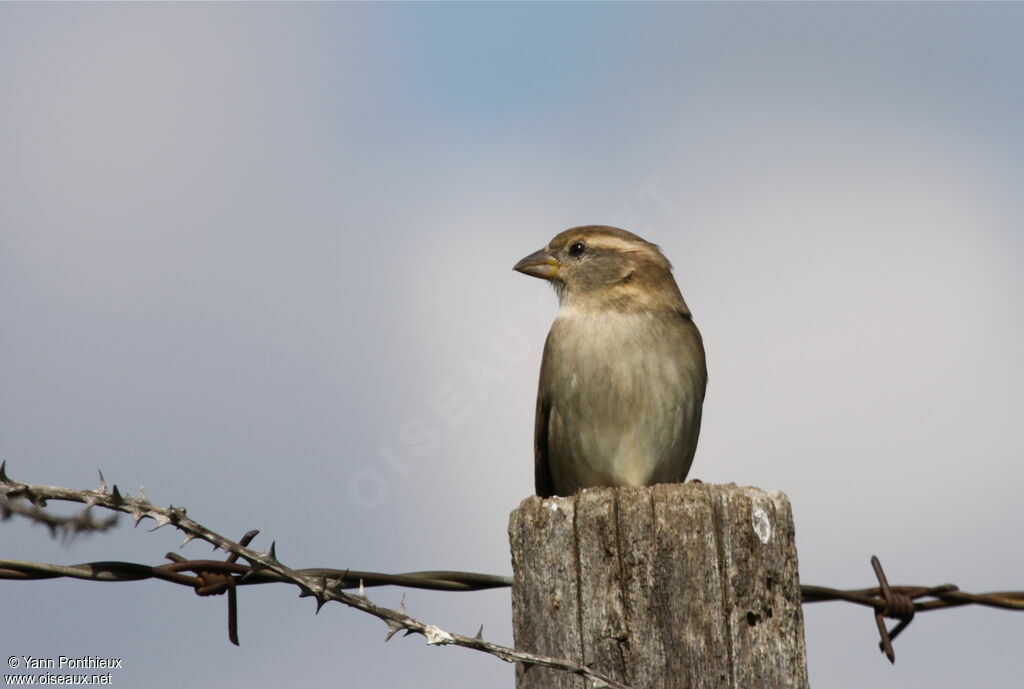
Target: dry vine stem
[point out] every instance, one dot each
(320, 588)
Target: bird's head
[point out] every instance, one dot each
(600, 268)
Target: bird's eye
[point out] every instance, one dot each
(577, 249)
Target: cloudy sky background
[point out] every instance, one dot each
(247, 252)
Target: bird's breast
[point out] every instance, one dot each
(625, 393)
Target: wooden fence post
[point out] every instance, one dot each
(677, 585)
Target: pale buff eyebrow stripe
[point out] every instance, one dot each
(614, 243)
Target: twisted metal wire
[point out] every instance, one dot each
(111, 571)
(214, 577)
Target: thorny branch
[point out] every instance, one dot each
(65, 527)
(217, 576)
(211, 577)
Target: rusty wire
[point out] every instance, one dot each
(215, 577)
(902, 602)
(348, 578)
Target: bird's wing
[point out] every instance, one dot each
(693, 349)
(543, 483)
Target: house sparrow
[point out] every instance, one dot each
(623, 376)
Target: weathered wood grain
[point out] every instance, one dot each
(673, 586)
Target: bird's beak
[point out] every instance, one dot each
(540, 265)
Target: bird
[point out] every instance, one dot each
(623, 374)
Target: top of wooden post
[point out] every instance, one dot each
(674, 585)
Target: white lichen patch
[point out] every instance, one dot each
(761, 523)
(436, 636)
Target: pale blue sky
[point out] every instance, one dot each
(247, 251)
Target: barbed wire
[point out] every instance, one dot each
(903, 602)
(214, 577)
